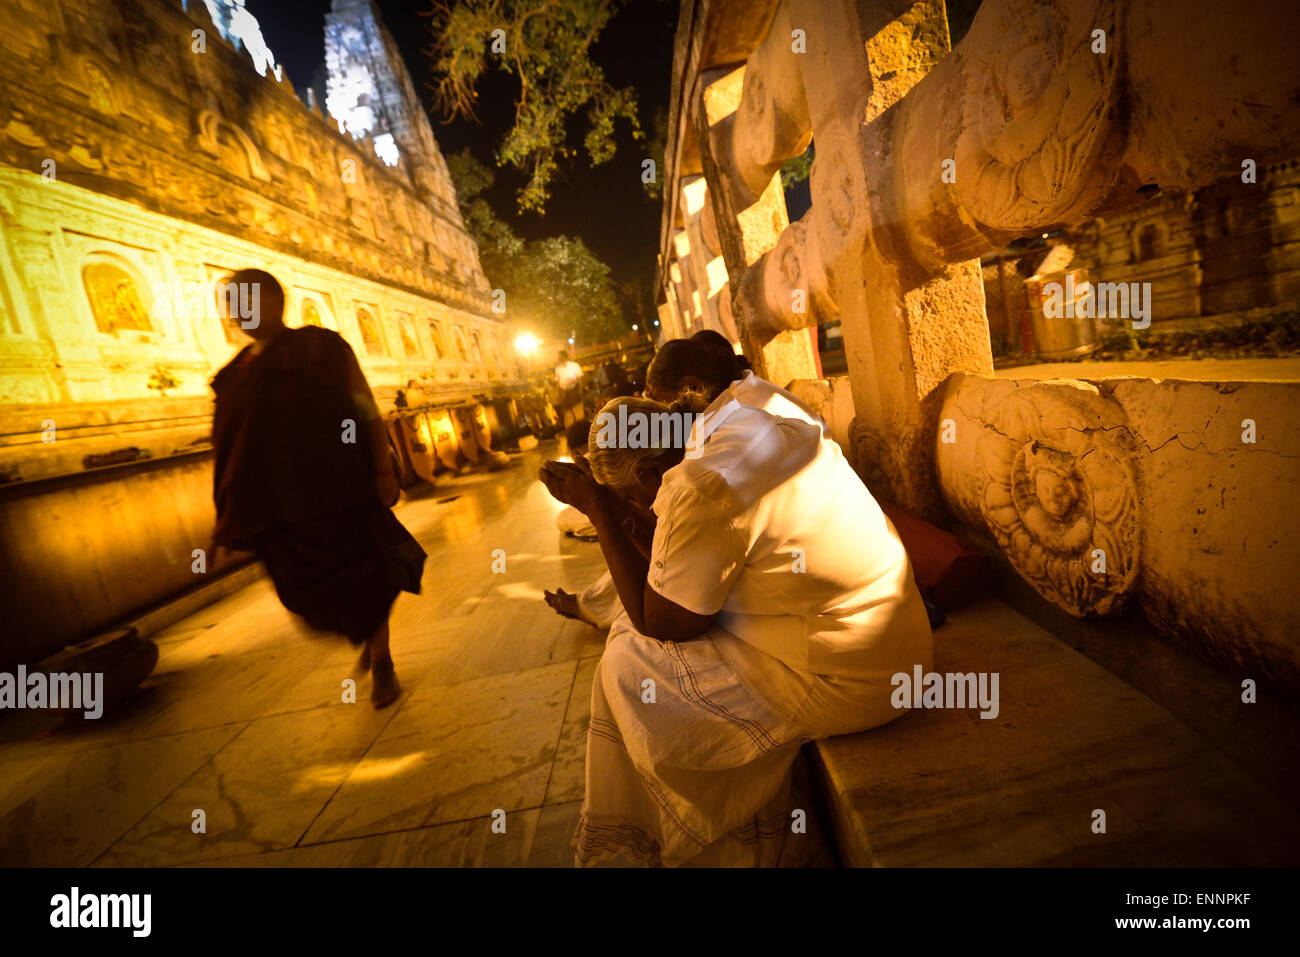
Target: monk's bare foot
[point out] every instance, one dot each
(564, 603)
(384, 689)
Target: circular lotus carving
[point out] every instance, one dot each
(1058, 493)
(1035, 116)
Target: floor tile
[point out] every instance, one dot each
(261, 792)
(458, 752)
(78, 803)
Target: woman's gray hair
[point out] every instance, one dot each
(664, 429)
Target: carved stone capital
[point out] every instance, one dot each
(1012, 133)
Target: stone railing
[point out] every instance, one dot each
(1173, 495)
(1046, 114)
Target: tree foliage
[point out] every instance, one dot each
(657, 147)
(797, 168)
(561, 287)
(546, 46)
(497, 243)
(636, 299)
(556, 286)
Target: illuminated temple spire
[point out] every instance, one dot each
(369, 91)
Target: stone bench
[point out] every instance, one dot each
(949, 788)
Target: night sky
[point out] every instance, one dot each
(606, 205)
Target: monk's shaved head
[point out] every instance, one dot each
(254, 299)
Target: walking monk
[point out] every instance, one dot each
(303, 477)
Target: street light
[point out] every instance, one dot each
(526, 343)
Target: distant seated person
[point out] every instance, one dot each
(570, 520)
(616, 381)
(623, 387)
(568, 382)
(772, 608)
(410, 397)
(598, 605)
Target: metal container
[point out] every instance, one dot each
(1070, 335)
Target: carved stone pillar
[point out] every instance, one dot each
(745, 233)
(708, 272)
(907, 325)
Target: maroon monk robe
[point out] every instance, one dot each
(287, 486)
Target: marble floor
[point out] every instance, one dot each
(244, 727)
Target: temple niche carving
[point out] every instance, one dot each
(310, 314)
(115, 299)
(99, 89)
(370, 332)
(230, 146)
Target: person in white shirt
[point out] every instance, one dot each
(568, 380)
(707, 366)
(773, 607)
(598, 604)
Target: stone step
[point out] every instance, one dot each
(946, 787)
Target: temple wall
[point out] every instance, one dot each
(61, 366)
(142, 157)
(114, 97)
(1251, 251)
(1225, 248)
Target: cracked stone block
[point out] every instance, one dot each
(1170, 495)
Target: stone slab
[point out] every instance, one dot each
(949, 788)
